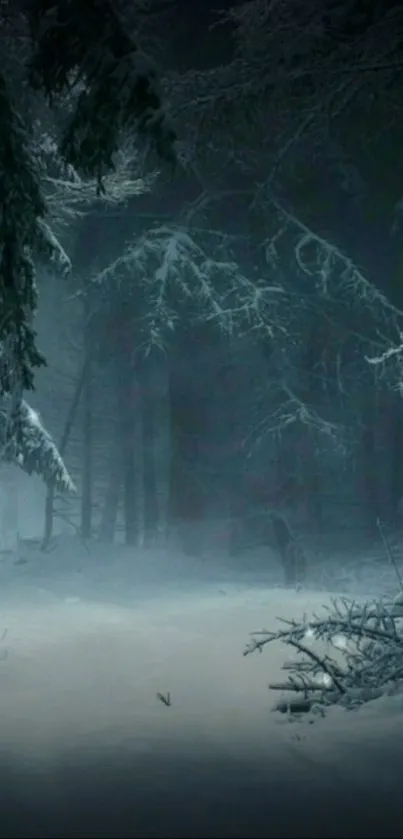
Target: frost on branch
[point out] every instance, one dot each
(69, 195)
(299, 70)
(325, 262)
(292, 411)
(348, 657)
(167, 273)
(391, 357)
(31, 447)
(317, 56)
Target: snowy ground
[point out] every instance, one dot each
(88, 750)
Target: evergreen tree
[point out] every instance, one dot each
(85, 50)
(80, 56)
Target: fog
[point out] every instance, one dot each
(201, 423)
(127, 706)
(91, 641)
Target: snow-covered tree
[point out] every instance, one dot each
(308, 104)
(84, 54)
(312, 89)
(83, 58)
(297, 71)
(87, 51)
(22, 215)
(31, 447)
(170, 274)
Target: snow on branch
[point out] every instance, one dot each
(392, 355)
(31, 447)
(300, 65)
(320, 41)
(175, 273)
(68, 199)
(291, 412)
(349, 656)
(391, 352)
(69, 195)
(326, 262)
(52, 249)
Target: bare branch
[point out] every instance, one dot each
(368, 643)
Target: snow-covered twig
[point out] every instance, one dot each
(391, 352)
(326, 262)
(350, 656)
(291, 412)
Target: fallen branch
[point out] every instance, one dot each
(351, 655)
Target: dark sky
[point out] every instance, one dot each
(196, 44)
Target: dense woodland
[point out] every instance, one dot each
(201, 269)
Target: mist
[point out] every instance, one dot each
(201, 422)
(95, 643)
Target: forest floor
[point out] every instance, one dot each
(89, 748)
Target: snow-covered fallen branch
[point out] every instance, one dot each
(349, 656)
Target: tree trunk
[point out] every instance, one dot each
(87, 472)
(370, 485)
(312, 395)
(187, 496)
(111, 503)
(126, 396)
(292, 556)
(10, 509)
(50, 494)
(396, 476)
(150, 498)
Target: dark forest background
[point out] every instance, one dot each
(224, 349)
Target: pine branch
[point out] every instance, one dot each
(176, 276)
(31, 447)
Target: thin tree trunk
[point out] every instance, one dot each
(370, 486)
(148, 452)
(111, 504)
(10, 509)
(88, 442)
(291, 555)
(50, 494)
(316, 340)
(396, 477)
(396, 411)
(187, 495)
(125, 382)
(86, 487)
